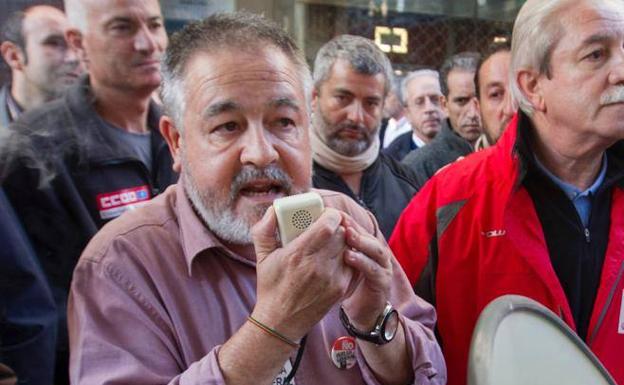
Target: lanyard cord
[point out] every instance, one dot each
(291, 375)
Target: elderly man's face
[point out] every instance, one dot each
(348, 108)
(585, 92)
(124, 42)
(462, 104)
(51, 65)
(424, 103)
(494, 95)
(245, 139)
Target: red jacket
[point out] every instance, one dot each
(476, 227)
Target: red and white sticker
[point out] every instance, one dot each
(113, 204)
(343, 353)
(621, 322)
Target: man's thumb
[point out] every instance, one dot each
(263, 234)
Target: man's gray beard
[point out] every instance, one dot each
(344, 147)
(219, 216)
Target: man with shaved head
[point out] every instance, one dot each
(540, 213)
(100, 141)
(41, 62)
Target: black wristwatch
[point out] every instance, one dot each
(384, 330)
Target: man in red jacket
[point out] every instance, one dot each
(540, 213)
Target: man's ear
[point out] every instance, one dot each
(530, 82)
(315, 95)
(174, 140)
(444, 105)
(75, 41)
(13, 55)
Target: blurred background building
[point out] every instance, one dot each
(414, 33)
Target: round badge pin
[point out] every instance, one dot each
(343, 353)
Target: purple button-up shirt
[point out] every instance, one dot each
(156, 294)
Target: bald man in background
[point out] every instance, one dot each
(100, 142)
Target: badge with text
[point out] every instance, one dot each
(283, 373)
(113, 204)
(343, 352)
(621, 322)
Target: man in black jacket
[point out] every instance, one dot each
(351, 79)
(98, 150)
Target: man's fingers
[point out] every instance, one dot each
(319, 235)
(370, 269)
(368, 245)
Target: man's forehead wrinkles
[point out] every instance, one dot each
(205, 83)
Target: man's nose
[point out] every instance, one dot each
(509, 108)
(144, 40)
(71, 55)
(429, 106)
(356, 112)
(616, 76)
(473, 108)
(258, 149)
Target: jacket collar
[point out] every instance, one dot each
(519, 136)
(9, 110)
(97, 142)
(452, 139)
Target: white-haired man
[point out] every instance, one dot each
(424, 105)
(194, 288)
(100, 140)
(539, 214)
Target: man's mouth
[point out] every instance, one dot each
(147, 63)
(262, 188)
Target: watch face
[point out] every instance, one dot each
(391, 325)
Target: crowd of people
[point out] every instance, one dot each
(138, 173)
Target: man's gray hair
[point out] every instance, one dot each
(416, 74)
(239, 31)
(76, 12)
(463, 61)
(361, 53)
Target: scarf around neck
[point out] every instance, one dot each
(338, 163)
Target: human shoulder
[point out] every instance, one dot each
(467, 175)
(400, 171)
(142, 229)
(344, 203)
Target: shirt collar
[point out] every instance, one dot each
(572, 191)
(196, 237)
(417, 141)
(14, 108)
(613, 168)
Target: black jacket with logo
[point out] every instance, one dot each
(76, 177)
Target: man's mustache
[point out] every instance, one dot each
(612, 96)
(249, 174)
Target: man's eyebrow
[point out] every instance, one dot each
(220, 108)
(155, 18)
(343, 91)
(119, 19)
(284, 102)
(597, 38)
